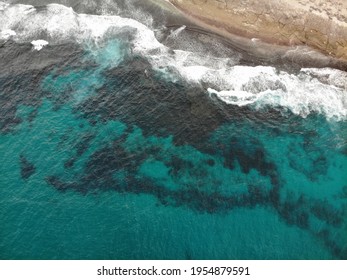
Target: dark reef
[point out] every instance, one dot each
(27, 168)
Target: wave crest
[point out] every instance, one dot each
(321, 91)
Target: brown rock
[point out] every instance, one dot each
(321, 25)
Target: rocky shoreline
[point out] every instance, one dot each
(310, 29)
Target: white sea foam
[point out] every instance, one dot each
(312, 90)
(301, 94)
(176, 32)
(3, 5)
(39, 44)
(7, 33)
(60, 23)
(322, 91)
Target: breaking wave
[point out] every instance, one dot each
(322, 91)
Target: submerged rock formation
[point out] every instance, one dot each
(321, 25)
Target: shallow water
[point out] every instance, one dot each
(113, 148)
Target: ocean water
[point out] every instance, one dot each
(119, 140)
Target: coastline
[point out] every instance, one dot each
(297, 34)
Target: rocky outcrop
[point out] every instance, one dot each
(319, 24)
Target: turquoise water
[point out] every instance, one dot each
(109, 161)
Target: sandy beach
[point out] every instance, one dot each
(312, 24)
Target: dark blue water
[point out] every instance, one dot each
(103, 157)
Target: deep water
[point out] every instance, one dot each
(103, 157)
